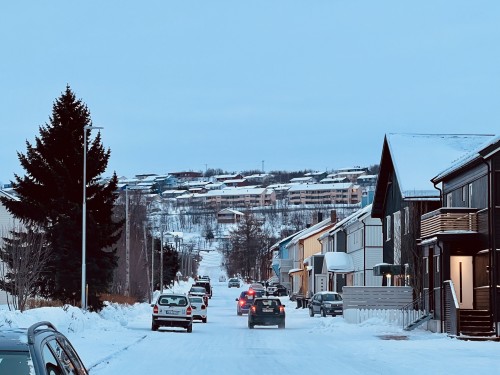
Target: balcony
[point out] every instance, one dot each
(449, 219)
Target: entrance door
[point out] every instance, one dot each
(461, 275)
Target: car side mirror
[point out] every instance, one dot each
(237, 299)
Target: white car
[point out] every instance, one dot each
(172, 310)
(200, 310)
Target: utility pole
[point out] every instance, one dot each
(161, 261)
(262, 166)
(127, 246)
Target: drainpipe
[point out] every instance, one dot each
(364, 252)
(441, 302)
(493, 270)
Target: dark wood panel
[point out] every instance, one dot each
(482, 298)
(466, 177)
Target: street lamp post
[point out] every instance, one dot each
(84, 216)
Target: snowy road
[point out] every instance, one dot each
(119, 340)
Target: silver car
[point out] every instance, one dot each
(326, 303)
(172, 310)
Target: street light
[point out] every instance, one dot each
(84, 215)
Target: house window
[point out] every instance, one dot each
(470, 195)
(449, 200)
(426, 262)
(388, 229)
(436, 259)
(407, 220)
(464, 194)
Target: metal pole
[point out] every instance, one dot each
(127, 245)
(152, 263)
(84, 220)
(161, 261)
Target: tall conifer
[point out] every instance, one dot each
(51, 197)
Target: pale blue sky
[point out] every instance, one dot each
(178, 85)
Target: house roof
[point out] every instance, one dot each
(416, 158)
(230, 210)
(358, 215)
(306, 233)
(336, 186)
(476, 154)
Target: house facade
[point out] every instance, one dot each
(460, 245)
(352, 249)
(337, 193)
(404, 192)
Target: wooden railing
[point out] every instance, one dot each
(448, 219)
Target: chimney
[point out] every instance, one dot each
(320, 216)
(333, 216)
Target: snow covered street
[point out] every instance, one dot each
(119, 340)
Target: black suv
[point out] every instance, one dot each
(326, 303)
(266, 312)
(41, 349)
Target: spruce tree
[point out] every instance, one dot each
(50, 196)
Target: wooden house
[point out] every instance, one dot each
(460, 246)
(404, 192)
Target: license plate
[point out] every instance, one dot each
(267, 310)
(171, 312)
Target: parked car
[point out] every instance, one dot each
(172, 310)
(266, 312)
(233, 282)
(257, 286)
(326, 303)
(200, 310)
(206, 285)
(42, 348)
(245, 300)
(199, 291)
(277, 290)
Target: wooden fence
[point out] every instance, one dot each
(362, 303)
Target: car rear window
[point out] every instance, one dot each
(196, 299)
(172, 301)
(15, 363)
(267, 303)
(198, 289)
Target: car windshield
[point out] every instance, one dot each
(196, 300)
(233, 280)
(15, 363)
(172, 301)
(332, 297)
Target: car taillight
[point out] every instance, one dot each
(155, 309)
(282, 309)
(203, 307)
(242, 302)
(253, 309)
(188, 310)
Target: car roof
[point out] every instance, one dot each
(327, 292)
(15, 339)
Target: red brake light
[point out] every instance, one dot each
(253, 308)
(282, 309)
(251, 291)
(188, 310)
(155, 309)
(242, 302)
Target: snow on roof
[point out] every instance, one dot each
(419, 157)
(256, 191)
(306, 233)
(298, 179)
(339, 262)
(336, 186)
(474, 154)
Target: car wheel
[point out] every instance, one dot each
(311, 312)
(250, 325)
(154, 327)
(189, 328)
(204, 320)
(239, 313)
(281, 325)
(323, 313)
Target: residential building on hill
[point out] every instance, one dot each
(339, 193)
